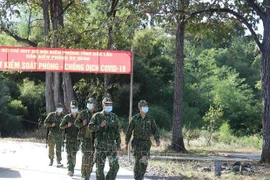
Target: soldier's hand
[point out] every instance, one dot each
(53, 124)
(126, 147)
(84, 122)
(69, 124)
(158, 143)
(103, 123)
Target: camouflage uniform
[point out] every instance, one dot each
(106, 143)
(142, 129)
(55, 135)
(71, 140)
(87, 143)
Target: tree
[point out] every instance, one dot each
(249, 13)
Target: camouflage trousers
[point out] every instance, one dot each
(55, 139)
(71, 149)
(141, 153)
(87, 148)
(141, 163)
(101, 155)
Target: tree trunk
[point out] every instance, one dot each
(111, 16)
(56, 88)
(49, 79)
(265, 79)
(67, 89)
(49, 92)
(177, 136)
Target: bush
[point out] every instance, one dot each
(161, 116)
(225, 133)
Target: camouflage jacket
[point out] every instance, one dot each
(72, 131)
(54, 118)
(142, 129)
(107, 135)
(84, 131)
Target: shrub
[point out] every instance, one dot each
(225, 133)
(161, 116)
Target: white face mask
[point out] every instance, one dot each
(74, 110)
(108, 108)
(145, 109)
(59, 110)
(90, 106)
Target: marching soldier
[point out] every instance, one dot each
(107, 142)
(142, 126)
(52, 122)
(87, 138)
(71, 136)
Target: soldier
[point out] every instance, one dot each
(71, 131)
(107, 142)
(52, 122)
(142, 126)
(87, 138)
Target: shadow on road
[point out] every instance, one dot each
(8, 173)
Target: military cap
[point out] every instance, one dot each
(91, 100)
(142, 102)
(107, 100)
(59, 105)
(73, 103)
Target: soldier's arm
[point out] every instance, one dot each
(93, 125)
(63, 124)
(155, 131)
(131, 127)
(47, 121)
(78, 121)
(117, 133)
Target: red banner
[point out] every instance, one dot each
(65, 60)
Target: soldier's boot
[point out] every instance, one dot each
(70, 173)
(51, 162)
(59, 164)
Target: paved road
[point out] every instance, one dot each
(27, 161)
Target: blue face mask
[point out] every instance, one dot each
(108, 108)
(90, 106)
(74, 110)
(59, 110)
(145, 109)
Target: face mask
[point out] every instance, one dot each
(145, 109)
(90, 106)
(74, 110)
(108, 108)
(59, 109)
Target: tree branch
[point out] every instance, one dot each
(238, 16)
(18, 38)
(256, 8)
(67, 6)
(244, 21)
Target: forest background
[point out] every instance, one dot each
(221, 70)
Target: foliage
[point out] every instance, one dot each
(162, 117)
(32, 96)
(11, 119)
(225, 133)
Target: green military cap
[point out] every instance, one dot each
(73, 103)
(91, 100)
(59, 105)
(107, 100)
(142, 102)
